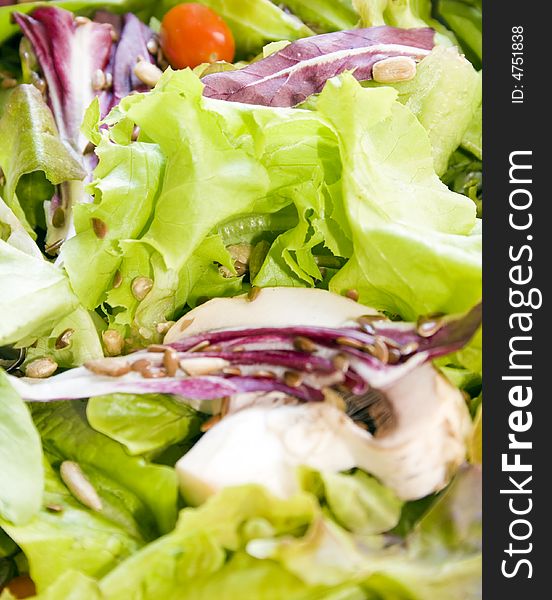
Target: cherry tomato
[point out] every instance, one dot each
(192, 34)
(22, 587)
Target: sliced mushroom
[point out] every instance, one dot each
(265, 444)
(274, 307)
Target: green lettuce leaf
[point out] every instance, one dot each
(71, 537)
(66, 435)
(413, 252)
(143, 424)
(84, 343)
(401, 13)
(325, 15)
(73, 585)
(191, 562)
(465, 18)
(445, 96)
(254, 23)
(30, 142)
(35, 295)
(21, 477)
(356, 501)
(125, 188)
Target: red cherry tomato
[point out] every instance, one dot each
(22, 587)
(192, 34)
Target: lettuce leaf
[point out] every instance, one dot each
(35, 295)
(71, 537)
(143, 423)
(83, 343)
(30, 142)
(66, 435)
(445, 96)
(401, 238)
(21, 478)
(356, 500)
(325, 15)
(465, 18)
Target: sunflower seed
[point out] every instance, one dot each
(394, 356)
(232, 371)
(429, 326)
(82, 21)
(151, 373)
(333, 398)
(152, 46)
(409, 348)
(157, 348)
(263, 374)
(99, 227)
(303, 344)
(98, 80)
(141, 364)
(196, 367)
(170, 361)
(58, 218)
(293, 379)
(394, 69)
(147, 72)
(224, 407)
(341, 363)
(113, 342)
(55, 508)
(200, 346)
(79, 485)
(41, 368)
(64, 339)
(111, 367)
(117, 280)
(378, 350)
(350, 343)
(352, 295)
(141, 287)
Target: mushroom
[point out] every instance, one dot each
(274, 307)
(264, 437)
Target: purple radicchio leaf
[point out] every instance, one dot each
(80, 60)
(297, 361)
(290, 76)
(132, 46)
(70, 55)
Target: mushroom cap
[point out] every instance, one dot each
(274, 307)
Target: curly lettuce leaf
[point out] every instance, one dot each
(21, 477)
(445, 96)
(413, 252)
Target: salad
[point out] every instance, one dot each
(240, 300)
